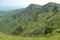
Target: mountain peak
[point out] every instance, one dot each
(33, 5)
(52, 3)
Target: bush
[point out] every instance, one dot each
(48, 30)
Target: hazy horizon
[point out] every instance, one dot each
(15, 4)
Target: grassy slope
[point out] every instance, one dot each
(10, 37)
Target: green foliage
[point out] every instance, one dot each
(32, 21)
(48, 30)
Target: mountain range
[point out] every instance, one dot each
(32, 21)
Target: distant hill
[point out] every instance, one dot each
(34, 20)
(9, 8)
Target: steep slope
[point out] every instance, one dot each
(36, 27)
(35, 20)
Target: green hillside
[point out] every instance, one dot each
(32, 21)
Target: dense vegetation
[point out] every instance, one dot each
(32, 21)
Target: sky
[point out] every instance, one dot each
(23, 3)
